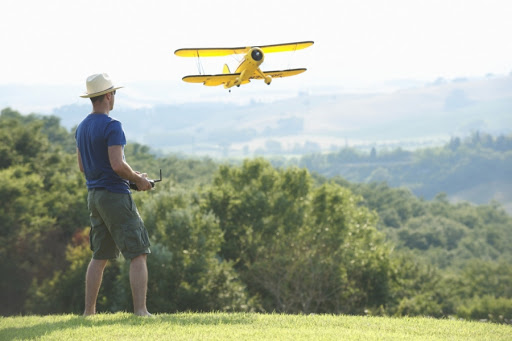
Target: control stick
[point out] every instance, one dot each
(152, 182)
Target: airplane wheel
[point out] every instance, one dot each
(238, 86)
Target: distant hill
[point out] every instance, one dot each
(475, 169)
(324, 119)
(313, 122)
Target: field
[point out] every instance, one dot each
(244, 326)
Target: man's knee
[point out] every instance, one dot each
(139, 258)
(98, 263)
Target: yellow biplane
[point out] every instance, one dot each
(249, 67)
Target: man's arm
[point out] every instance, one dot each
(123, 169)
(79, 159)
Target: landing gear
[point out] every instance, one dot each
(265, 77)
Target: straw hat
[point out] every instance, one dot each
(98, 85)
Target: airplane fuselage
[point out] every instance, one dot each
(249, 65)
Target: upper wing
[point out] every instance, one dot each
(211, 80)
(226, 51)
(279, 74)
(286, 47)
(211, 52)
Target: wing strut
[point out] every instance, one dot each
(200, 68)
(291, 57)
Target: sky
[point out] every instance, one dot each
(358, 43)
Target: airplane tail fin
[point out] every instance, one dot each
(226, 69)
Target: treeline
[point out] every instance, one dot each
(251, 237)
(479, 159)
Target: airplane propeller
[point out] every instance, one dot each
(256, 55)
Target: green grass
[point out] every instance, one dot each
(244, 326)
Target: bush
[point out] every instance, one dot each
(487, 308)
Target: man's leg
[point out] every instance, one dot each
(139, 284)
(92, 284)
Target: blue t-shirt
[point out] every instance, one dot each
(93, 136)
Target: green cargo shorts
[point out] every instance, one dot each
(116, 226)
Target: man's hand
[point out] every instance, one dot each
(142, 182)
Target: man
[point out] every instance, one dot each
(115, 222)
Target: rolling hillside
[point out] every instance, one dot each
(319, 121)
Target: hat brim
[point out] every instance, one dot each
(96, 94)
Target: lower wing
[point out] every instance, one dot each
(224, 78)
(280, 74)
(212, 80)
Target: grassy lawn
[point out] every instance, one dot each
(244, 326)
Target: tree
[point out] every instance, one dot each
(299, 248)
(186, 241)
(42, 206)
